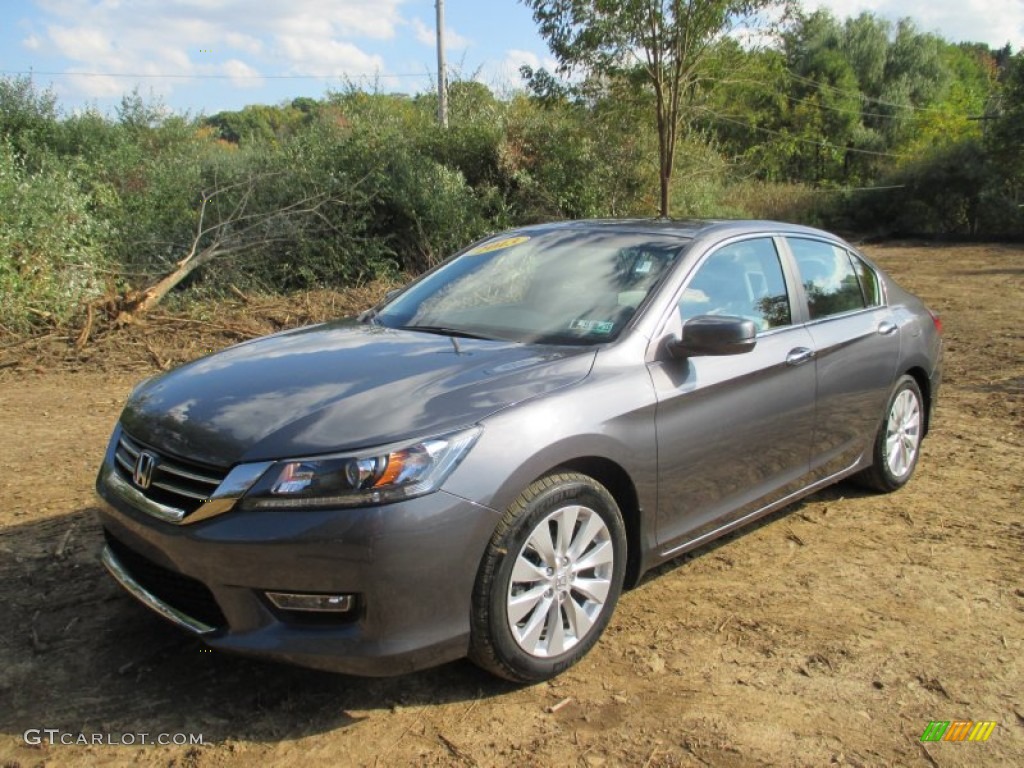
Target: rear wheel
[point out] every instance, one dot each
(550, 579)
(898, 443)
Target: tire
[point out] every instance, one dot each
(898, 442)
(536, 611)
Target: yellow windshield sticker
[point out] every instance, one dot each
(497, 245)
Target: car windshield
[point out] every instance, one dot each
(562, 286)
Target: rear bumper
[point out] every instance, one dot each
(410, 566)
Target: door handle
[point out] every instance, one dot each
(799, 356)
(885, 328)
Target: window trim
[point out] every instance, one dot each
(797, 315)
(857, 258)
(799, 286)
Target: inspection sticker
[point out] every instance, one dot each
(592, 326)
(497, 245)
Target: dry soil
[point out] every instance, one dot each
(830, 633)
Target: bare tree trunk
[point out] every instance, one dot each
(238, 231)
(155, 293)
(664, 152)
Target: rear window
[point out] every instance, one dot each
(830, 282)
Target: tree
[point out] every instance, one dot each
(1007, 135)
(669, 39)
(28, 117)
(234, 227)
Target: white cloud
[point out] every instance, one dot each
(341, 18)
(995, 22)
(84, 44)
(328, 58)
(516, 58)
(234, 37)
(248, 43)
(504, 76)
(427, 36)
(95, 86)
(241, 74)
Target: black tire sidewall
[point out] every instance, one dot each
(578, 491)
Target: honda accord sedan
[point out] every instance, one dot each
(481, 463)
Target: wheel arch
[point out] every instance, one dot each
(620, 485)
(919, 375)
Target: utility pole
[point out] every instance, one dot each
(442, 77)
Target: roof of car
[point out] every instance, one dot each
(689, 228)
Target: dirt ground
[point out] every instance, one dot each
(829, 634)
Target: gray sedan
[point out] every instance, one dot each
(479, 465)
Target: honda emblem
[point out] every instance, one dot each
(142, 476)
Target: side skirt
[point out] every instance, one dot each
(679, 549)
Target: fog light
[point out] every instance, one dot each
(291, 601)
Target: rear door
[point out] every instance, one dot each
(857, 345)
(734, 433)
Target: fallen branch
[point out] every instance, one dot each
(560, 705)
(928, 755)
(83, 337)
(59, 552)
(455, 750)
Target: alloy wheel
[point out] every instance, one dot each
(560, 582)
(903, 433)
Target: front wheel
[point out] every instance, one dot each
(898, 442)
(549, 580)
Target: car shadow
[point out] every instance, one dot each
(993, 271)
(79, 654)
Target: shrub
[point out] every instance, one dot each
(51, 257)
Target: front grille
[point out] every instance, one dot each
(176, 482)
(181, 592)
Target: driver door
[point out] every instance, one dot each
(734, 433)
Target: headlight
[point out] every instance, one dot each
(379, 476)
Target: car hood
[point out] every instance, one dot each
(338, 387)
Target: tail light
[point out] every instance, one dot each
(937, 321)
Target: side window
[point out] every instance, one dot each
(868, 282)
(829, 280)
(743, 279)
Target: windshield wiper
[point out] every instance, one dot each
(443, 330)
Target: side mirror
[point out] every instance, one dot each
(714, 335)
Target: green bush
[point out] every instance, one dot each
(797, 203)
(51, 256)
(954, 190)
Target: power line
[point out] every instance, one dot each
(860, 112)
(861, 95)
(209, 77)
(766, 88)
(803, 140)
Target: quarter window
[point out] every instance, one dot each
(830, 282)
(743, 279)
(868, 282)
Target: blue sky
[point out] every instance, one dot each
(203, 56)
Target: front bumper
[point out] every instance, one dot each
(410, 566)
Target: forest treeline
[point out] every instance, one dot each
(858, 125)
